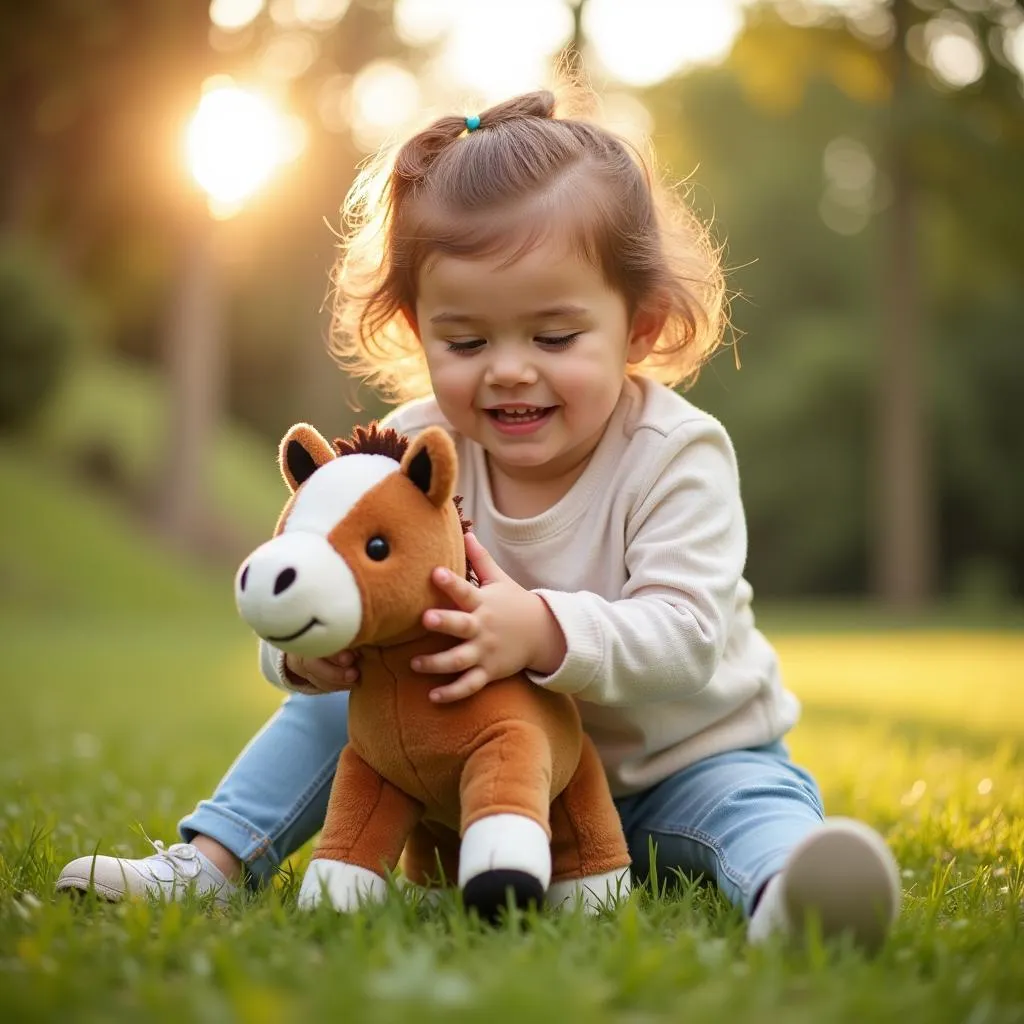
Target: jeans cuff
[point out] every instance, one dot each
(254, 849)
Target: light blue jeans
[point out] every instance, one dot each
(731, 818)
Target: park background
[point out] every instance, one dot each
(171, 176)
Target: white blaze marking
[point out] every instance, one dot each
(333, 490)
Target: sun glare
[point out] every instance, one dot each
(497, 49)
(489, 50)
(1013, 43)
(953, 52)
(232, 15)
(235, 142)
(645, 41)
(385, 98)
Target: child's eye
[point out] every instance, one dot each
(561, 341)
(466, 347)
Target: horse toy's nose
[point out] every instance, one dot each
(285, 578)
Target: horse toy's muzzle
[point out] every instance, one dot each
(297, 593)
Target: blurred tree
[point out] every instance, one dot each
(798, 411)
(40, 325)
(793, 179)
(916, 139)
(91, 96)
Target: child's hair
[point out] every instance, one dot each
(497, 190)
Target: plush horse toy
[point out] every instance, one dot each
(508, 769)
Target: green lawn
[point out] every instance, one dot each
(130, 685)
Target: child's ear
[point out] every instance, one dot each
(645, 330)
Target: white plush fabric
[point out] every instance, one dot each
(509, 842)
(332, 491)
(321, 610)
(594, 893)
(345, 886)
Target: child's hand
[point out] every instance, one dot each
(505, 629)
(325, 675)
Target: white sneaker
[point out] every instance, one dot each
(844, 876)
(168, 874)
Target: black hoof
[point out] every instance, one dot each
(491, 892)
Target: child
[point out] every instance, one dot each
(525, 270)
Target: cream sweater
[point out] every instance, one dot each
(642, 565)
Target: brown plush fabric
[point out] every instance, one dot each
(397, 591)
(419, 773)
(369, 817)
(586, 828)
(431, 855)
(494, 752)
(309, 440)
(432, 448)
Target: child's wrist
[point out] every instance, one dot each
(549, 649)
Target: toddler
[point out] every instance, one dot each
(523, 278)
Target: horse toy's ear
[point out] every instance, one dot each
(303, 451)
(431, 464)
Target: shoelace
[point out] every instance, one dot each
(176, 856)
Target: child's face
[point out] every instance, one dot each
(528, 358)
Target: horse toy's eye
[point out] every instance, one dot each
(377, 549)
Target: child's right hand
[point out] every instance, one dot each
(325, 675)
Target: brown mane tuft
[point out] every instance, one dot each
(467, 525)
(373, 440)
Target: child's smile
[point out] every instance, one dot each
(520, 419)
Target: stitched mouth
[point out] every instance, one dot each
(295, 636)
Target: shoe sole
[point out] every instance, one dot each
(81, 886)
(844, 876)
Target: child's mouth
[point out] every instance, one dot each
(519, 418)
(519, 414)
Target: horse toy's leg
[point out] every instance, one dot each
(430, 860)
(368, 821)
(590, 859)
(431, 856)
(505, 799)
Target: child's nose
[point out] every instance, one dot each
(509, 369)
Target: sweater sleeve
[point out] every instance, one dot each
(272, 665)
(276, 672)
(686, 548)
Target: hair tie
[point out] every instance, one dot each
(472, 123)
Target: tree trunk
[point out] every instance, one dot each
(904, 549)
(195, 379)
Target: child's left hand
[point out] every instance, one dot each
(504, 628)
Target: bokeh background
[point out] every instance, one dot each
(171, 176)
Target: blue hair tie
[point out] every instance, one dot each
(472, 123)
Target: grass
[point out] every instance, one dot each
(130, 685)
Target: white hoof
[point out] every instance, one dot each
(346, 886)
(595, 892)
(505, 842)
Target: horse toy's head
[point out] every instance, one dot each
(350, 561)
